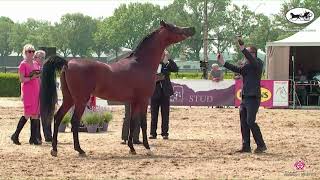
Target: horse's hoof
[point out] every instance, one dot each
(82, 154)
(149, 152)
(54, 153)
(132, 152)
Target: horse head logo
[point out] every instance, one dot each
(300, 15)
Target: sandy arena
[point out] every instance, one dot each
(201, 146)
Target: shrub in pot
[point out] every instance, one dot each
(92, 121)
(106, 117)
(65, 121)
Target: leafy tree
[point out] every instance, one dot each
(129, 24)
(100, 43)
(79, 33)
(60, 39)
(6, 25)
(191, 14)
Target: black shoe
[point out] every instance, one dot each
(15, 135)
(153, 137)
(260, 149)
(165, 137)
(15, 139)
(124, 142)
(48, 139)
(244, 150)
(35, 132)
(137, 142)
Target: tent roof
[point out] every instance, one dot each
(309, 36)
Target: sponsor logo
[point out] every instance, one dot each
(300, 15)
(265, 94)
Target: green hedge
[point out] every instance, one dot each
(9, 85)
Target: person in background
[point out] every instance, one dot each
(29, 73)
(161, 96)
(216, 74)
(301, 89)
(251, 73)
(240, 63)
(39, 57)
(126, 126)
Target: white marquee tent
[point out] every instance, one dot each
(304, 46)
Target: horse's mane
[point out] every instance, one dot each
(143, 41)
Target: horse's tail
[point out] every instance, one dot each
(48, 90)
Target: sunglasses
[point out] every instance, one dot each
(30, 51)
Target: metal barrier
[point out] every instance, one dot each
(6, 69)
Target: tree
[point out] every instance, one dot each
(60, 39)
(78, 31)
(129, 24)
(38, 32)
(6, 25)
(100, 43)
(191, 14)
(17, 38)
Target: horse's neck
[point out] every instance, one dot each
(150, 55)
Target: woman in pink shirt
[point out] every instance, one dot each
(29, 73)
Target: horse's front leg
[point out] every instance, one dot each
(57, 120)
(75, 121)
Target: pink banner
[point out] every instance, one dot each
(266, 93)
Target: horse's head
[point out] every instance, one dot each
(174, 34)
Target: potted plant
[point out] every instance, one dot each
(92, 121)
(106, 117)
(65, 121)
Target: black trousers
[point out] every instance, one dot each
(163, 102)
(47, 130)
(126, 126)
(248, 111)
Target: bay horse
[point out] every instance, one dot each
(130, 80)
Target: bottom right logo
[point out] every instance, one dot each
(299, 165)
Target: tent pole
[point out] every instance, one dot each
(294, 84)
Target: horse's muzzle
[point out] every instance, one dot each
(189, 31)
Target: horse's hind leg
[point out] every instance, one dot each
(75, 121)
(133, 124)
(143, 122)
(66, 105)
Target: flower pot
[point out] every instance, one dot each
(62, 127)
(104, 126)
(92, 128)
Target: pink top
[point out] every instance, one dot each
(30, 90)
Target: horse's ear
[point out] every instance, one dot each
(162, 23)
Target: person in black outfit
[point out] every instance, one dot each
(161, 96)
(126, 125)
(251, 96)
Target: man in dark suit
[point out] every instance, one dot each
(161, 96)
(251, 72)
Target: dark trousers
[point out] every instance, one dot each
(248, 111)
(47, 131)
(163, 102)
(126, 126)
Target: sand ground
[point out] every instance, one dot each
(201, 146)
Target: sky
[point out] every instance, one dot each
(52, 10)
